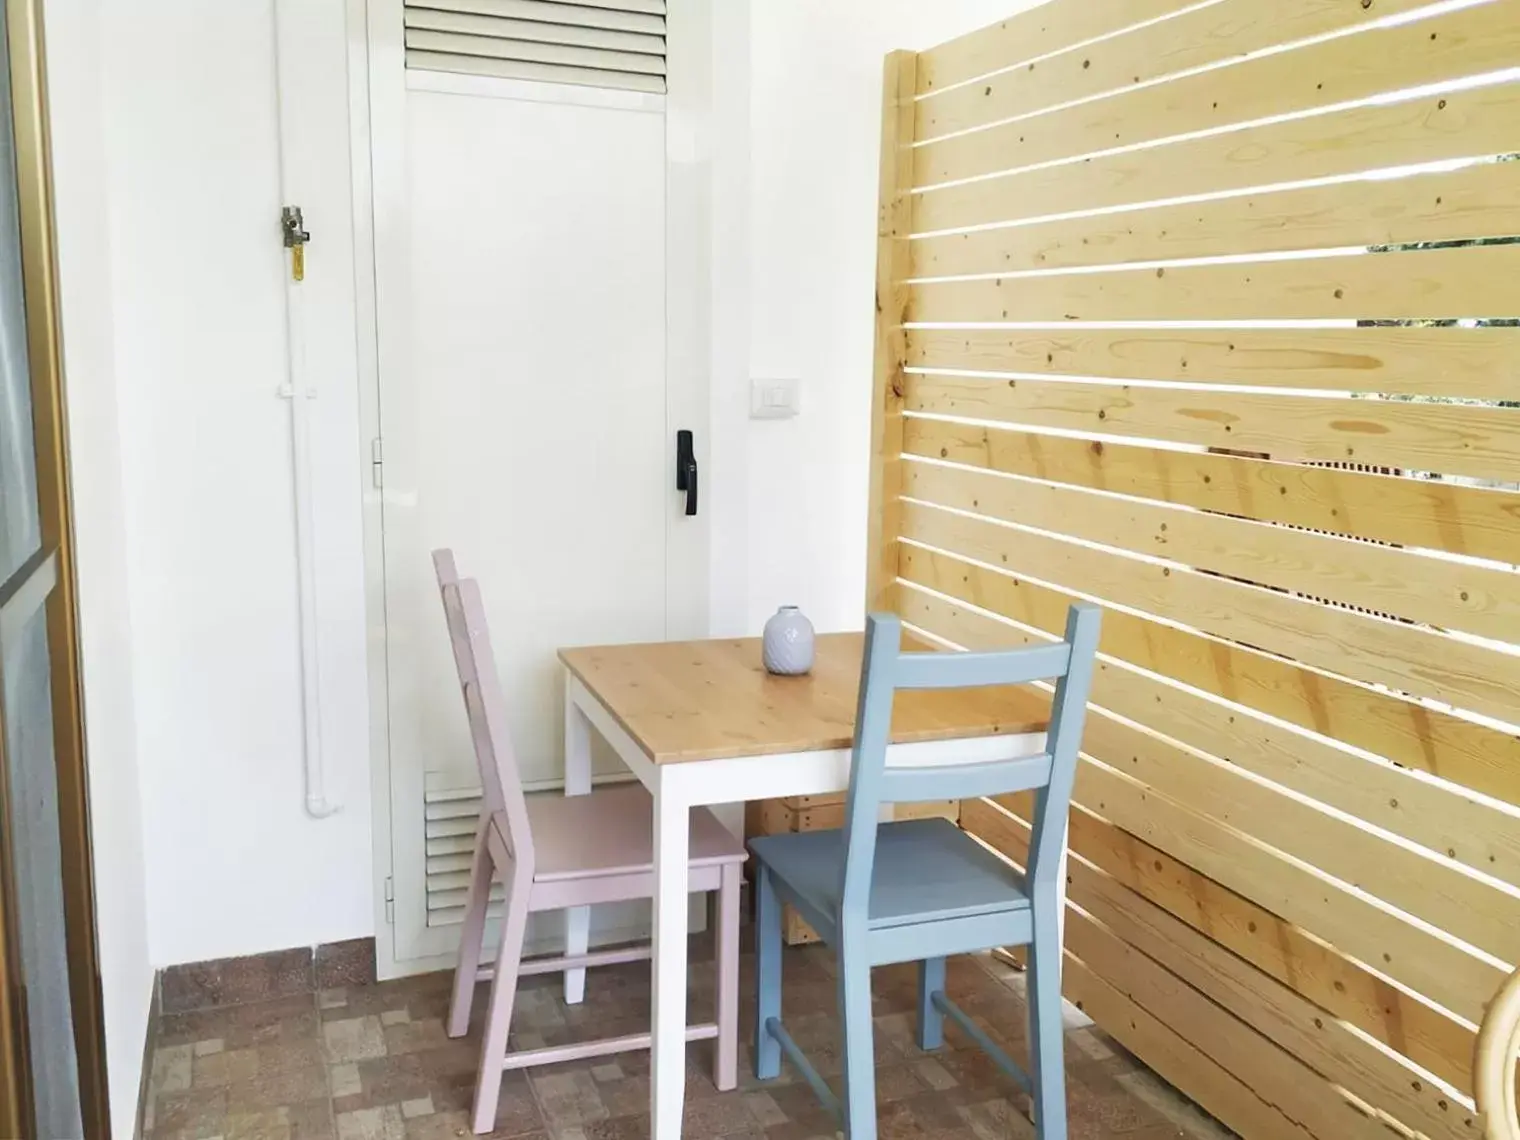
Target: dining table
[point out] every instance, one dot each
(703, 723)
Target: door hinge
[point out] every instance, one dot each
(390, 901)
(376, 463)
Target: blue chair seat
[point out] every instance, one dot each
(926, 870)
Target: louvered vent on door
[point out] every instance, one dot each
(452, 815)
(596, 43)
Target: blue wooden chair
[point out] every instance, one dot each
(922, 889)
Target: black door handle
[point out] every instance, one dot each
(686, 469)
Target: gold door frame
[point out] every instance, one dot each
(39, 276)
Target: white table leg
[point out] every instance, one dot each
(667, 1094)
(577, 783)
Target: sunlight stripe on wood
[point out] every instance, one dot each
(1273, 1009)
(1412, 512)
(1423, 961)
(1341, 985)
(1450, 439)
(1343, 642)
(1471, 41)
(1475, 912)
(1441, 592)
(1477, 363)
(1413, 736)
(1221, 32)
(1439, 817)
(1045, 29)
(1461, 124)
(1475, 281)
(1471, 202)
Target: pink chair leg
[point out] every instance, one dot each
(493, 1049)
(726, 1056)
(472, 937)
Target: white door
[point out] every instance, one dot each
(521, 304)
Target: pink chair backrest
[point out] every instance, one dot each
(448, 587)
(476, 664)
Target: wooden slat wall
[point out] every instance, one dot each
(1198, 311)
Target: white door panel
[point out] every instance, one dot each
(538, 287)
(528, 431)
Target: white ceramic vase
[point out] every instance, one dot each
(787, 648)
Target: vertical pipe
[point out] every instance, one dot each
(300, 391)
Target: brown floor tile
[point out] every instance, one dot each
(453, 1125)
(291, 1018)
(350, 963)
(353, 1061)
(233, 981)
(190, 1114)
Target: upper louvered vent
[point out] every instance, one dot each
(596, 43)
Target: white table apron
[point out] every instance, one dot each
(677, 788)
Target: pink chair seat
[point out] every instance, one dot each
(611, 832)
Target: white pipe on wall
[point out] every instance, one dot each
(300, 394)
(300, 391)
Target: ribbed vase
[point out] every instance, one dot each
(788, 643)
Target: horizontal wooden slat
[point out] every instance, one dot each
(1047, 28)
(535, 72)
(1282, 1080)
(1192, 1070)
(534, 31)
(1471, 202)
(1276, 1011)
(643, 16)
(1461, 124)
(1478, 913)
(1411, 512)
(1453, 46)
(1443, 283)
(1341, 985)
(1414, 736)
(1206, 35)
(1273, 1071)
(1349, 644)
(1453, 439)
(1477, 363)
(1438, 817)
(1423, 961)
(526, 51)
(1442, 592)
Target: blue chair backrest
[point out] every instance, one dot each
(1049, 774)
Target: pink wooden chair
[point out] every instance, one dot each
(552, 852)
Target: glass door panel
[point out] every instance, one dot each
(48, 978)
(31, 829)
(20, 522)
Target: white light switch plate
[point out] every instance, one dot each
(774, 399)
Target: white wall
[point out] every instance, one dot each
(195, 291)
(815, 122)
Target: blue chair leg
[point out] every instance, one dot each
(859, 1046)
(767, 974)
(1045, 1026)
(931, 1022)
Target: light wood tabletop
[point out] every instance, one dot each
(711, 700)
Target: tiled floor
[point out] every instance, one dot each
(372, 1063)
